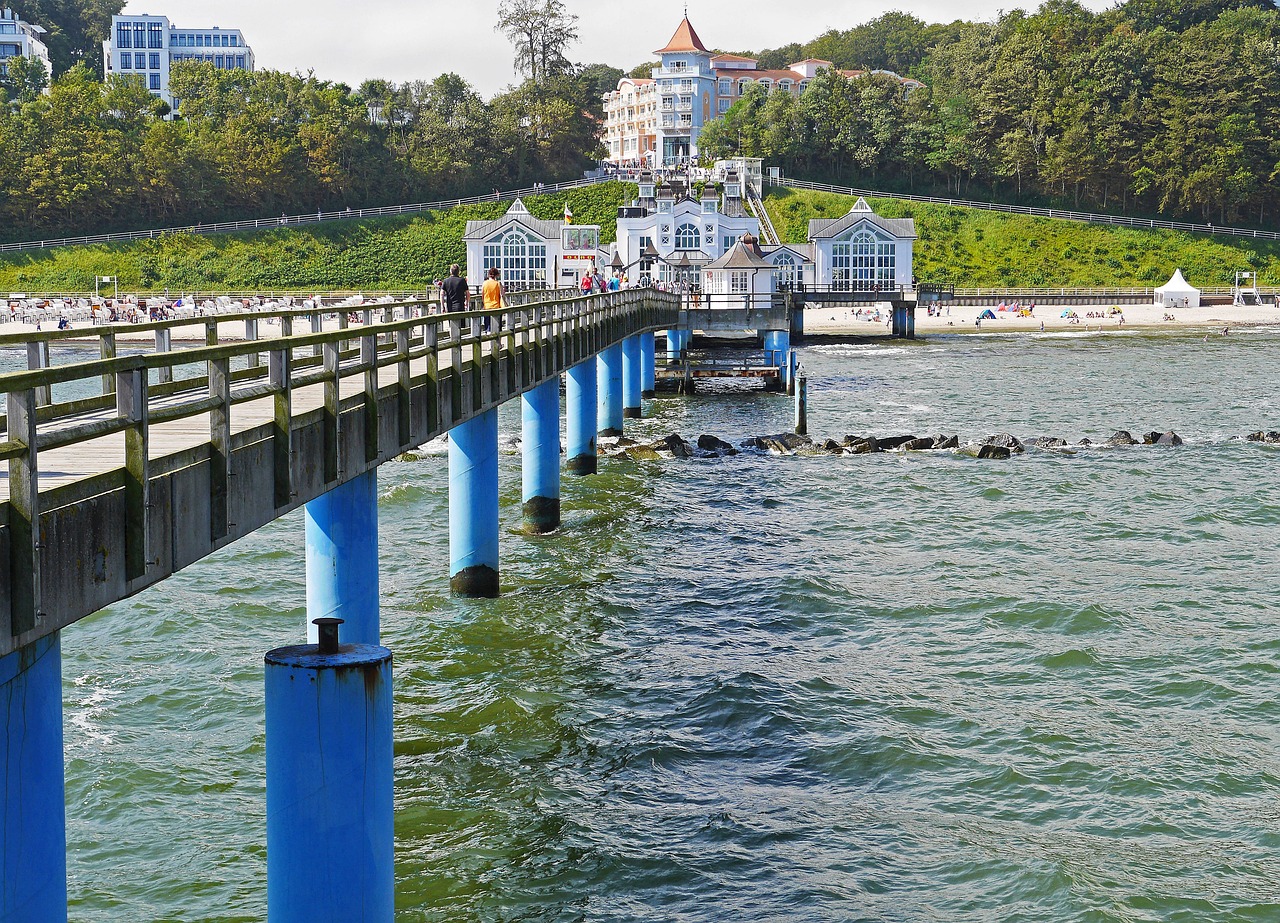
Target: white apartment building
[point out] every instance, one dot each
(631, 120)
(145, 46)
(20, 39)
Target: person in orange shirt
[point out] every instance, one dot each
(494, 299)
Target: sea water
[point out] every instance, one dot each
(898, 687)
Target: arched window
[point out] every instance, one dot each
(520, 257)
(784, 272)
(863, 262)
(688, 237)
(785, 85)
(766, 84)
(742, 85)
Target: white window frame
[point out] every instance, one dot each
(688, 237)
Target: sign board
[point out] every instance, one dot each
(580, 241)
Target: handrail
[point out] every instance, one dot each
(1033, 211)
(257, 224)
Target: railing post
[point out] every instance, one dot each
(482, 383)
(219, 448)
(164, 344)
(211, 333)
(38, 358)
(369, 359)
(332, 411)
(455, 368)
(317, 326)
(280, 370)
(251, 334)
(131, 406)
(24, 515)
(107, 349)
(404, 385)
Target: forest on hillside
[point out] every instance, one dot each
(1154, 107)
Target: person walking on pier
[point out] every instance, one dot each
(494, 298)
(455, 290)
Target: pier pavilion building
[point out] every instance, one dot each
(861, 251)
(531, 253)
(145, 46)
(20, 39)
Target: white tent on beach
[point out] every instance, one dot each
(1177, 293)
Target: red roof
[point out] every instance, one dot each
(685, 39)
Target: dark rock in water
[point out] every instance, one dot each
(1085, 441)
(990, 450)
(1273, 436)
(850, 440)
(917, 445)
(714, 444)
(776, 446)
(1122, 437)
(1048, 442)
(829, 447)
(1257, 437)
(624, 442)
(1169, 438)
(862, 446)
(1150, 438)
(946, 442)
(892, 442)
(1004, 441)
(674, 444)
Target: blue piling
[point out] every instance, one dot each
(540, 447)
(648, 365)
(632, 362)
(580, 394)
(609, 405)
(777, 347)
(342, 559)
(677, 343)
(473, 506)
(330, 816)
(33, 837)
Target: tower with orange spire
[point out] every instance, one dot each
(686, 85)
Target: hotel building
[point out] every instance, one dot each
(145, 46)
(661, 119)
(19, 39)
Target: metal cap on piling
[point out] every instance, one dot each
(328, 630)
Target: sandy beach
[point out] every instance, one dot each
(960, 319)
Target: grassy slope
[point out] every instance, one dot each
(388, 253)
(988, 249)
(971, 248)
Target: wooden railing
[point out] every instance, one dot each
(131, 496)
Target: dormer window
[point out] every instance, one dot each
(646, 190)
(766, 84)
(732, 190)
(742, 86)
(804, 85)
(784, 85)
(710, 206)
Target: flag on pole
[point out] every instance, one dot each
(568, 215)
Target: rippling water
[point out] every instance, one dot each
(892, 687)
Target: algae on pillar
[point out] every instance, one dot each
(540, 469)
(580, 393)
(473, 506)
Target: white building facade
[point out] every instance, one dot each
(20, 39)
(531, 253)
(863, 252)
(145, 46)
(691, 86)
(631, 121)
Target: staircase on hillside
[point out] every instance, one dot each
(758, 211)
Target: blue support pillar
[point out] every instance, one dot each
(777, 348)
(330, 816)
(631, 375)
(648, 365)
(580, 394)
(473, 506)
(540, 469)
(342, 559)
(33, 837)
(609, 406)
(677, 343)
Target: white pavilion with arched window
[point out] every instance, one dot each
(863, 252)
(528, 251)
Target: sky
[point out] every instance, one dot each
(399, 40)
